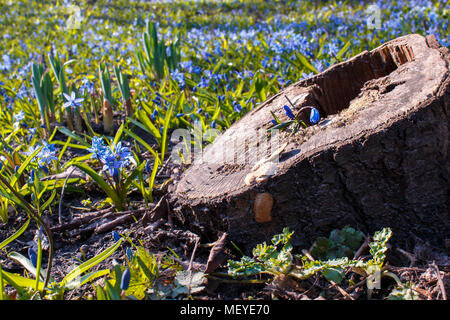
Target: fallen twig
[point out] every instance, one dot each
(190, 266)
(439, 280)
(93, 217)
(85, 218)
(362, 248)
(116, 222)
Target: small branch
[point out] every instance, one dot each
(190, 265)
(119, 221)
(87, 217)
(91, 217)
(362, 248)
(439, 279)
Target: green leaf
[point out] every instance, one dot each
(343, 50)
(153, 176)
(282, 125)
(340, 243)
(112, 293)
(79, 270)
(101, 294)
(14, 199)
(119, 133)
(379, 246)
(189, 279)
(23, 166)
(69, 62)
(305, 63)
(334, 274)
(150, 127)
(275, 117)
(74, 136)
(2, 286)
(405, 292)
(49, 200)
(133, 175)
(75, 284)
(19, 282)
(15, 235)
(245, 267)
(147, 125)
(26, 263)
(141, 141)
(38, 265)
(320, 248)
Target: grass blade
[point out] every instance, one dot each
(77, 271)
(69, 133)
(141, 141)
(14, 236)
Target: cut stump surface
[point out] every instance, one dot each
(378, 157)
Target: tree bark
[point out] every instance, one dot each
(378, 157)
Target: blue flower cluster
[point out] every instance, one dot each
(45, 155)
(113, 158)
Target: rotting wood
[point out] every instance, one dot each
(378, 157)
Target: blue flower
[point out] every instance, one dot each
(148, 168)
(32, 132)
(44, 168)
(154, 114)
(111, 163)
(20, 116)
(289, 112)
(179, 78)
(72, 101)
(115, 158)
(130, 254)
(45, 155)
(33, 256)
(125, 280)
(122, 152)
(6, 65)
(237, 107)
(115, 236)
(204, 82)
(314, 116)
(98, 148)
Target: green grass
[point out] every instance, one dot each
(159, 67)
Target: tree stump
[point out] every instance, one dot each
(378, 157)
